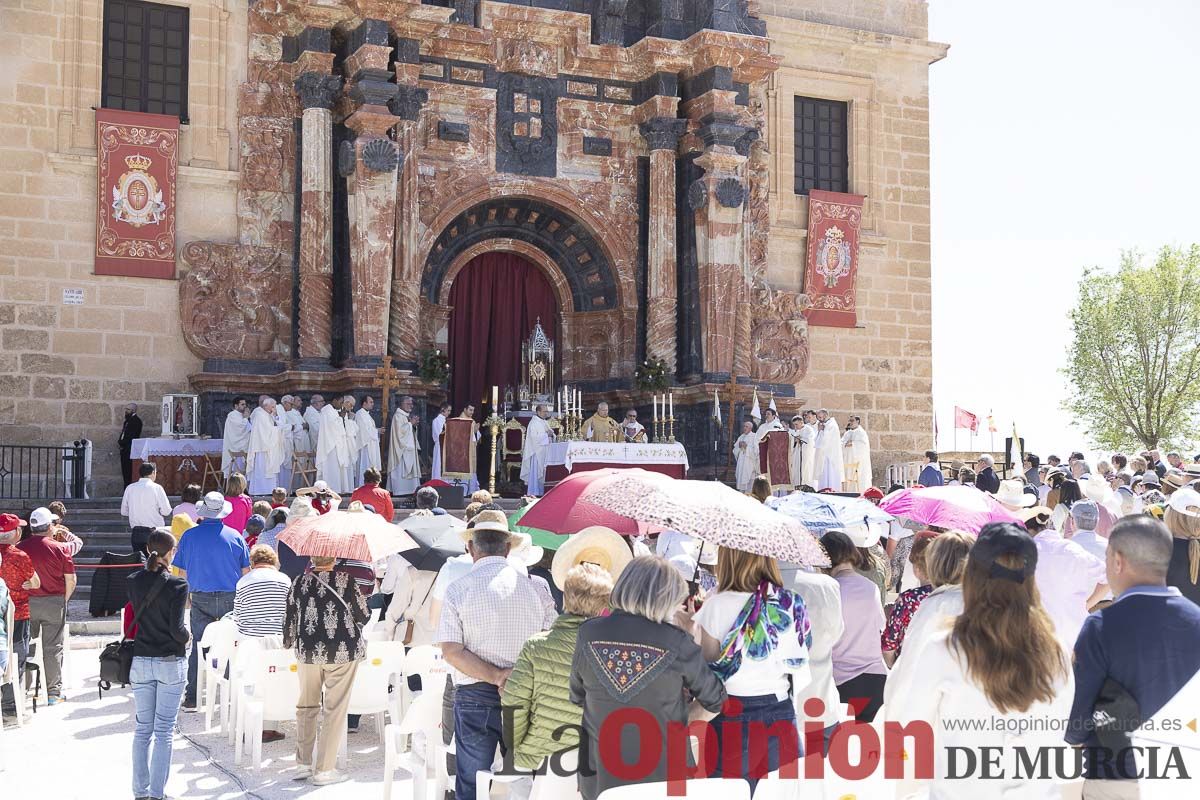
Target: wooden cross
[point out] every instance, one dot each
(386, 379)
(733, 427)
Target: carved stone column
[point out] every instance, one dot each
(370, 164)
(662, 137)
(317, 92)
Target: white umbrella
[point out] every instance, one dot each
(711, 511)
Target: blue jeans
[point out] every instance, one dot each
(478, 728)
(19, 639)
(157, 687)
(759, 716)
(206, 607)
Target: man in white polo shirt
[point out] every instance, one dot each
(146, 505)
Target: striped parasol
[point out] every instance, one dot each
(354, 533)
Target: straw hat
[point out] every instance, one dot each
(486, 521)
(523, 551)
(1012, 495)
(318, 488)
(597, 545)
(1027, 514)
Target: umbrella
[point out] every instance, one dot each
(562, 511)
(542, 538)
(354, 533)
(826, 512)
(434, 548)
(435, 525)
(711, 511)
(963, 508)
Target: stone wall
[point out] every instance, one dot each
(907, 18)
(66, 371)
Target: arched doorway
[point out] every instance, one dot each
(495, 299)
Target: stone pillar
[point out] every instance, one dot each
(317, 92)
(370, 164)
(662, 137)
(404, 333)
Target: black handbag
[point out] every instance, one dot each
(116, 659)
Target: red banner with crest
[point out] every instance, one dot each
(831, 268)
(136, 158)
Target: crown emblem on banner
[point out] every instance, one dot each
(138, 162)
(832, 234)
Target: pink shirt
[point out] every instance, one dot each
(243, 507)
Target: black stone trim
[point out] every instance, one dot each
(527, 154)
(343, 295)
(721, 129)
(643, 262)
(687, 318)
(243, 366)
(370, 31)
(408, 51)
(577, 252)
(347, 159)
(660, 83)
(748, 139)
(291, 49)
(297, 184)
(316, 40)
(719, 78)
(597, 146)
(453, 131)
(372, 87)
(488, 70)
(662, 133)
(697, 195)
(743, 93)
(318, 90)
(408, 101)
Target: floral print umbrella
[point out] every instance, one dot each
(710, 511)
(355, 533)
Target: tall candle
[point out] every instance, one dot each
(653, 407)
(671, 399)
(495, 397)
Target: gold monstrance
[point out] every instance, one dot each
(537, 369)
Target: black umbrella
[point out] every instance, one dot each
(434, 548)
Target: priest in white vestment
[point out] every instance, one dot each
(538, 437)
(368, 438)
(771, 423)
(264, 456)
(404, 465)
(828, 471)
(336, 457)
(856, 455)
(801, 439)
(298, 435)
(237, 435)
(808, 467)
(312, 418)
(436, 428)
(745, 453)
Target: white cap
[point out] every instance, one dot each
(41, 517)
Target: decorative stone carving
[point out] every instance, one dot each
(347, 159)
(778, 335)
(407, 102)
(662, 133)
(379, 155)
(234, 302)
(697, 195)
(731, 193)
(527, 57)
(317, 90)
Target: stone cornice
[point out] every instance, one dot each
(819, 34)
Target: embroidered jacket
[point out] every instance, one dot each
(323, 628)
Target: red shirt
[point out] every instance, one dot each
(379, 499)
(16, 569)
(321, 505)
(53, 561)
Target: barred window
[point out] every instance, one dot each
(145, 62)
(821, 150)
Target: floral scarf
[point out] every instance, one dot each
(759, 628)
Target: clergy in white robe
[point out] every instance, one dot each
(404, 465)
(808, 469)
(856, 454)
(436, 427)
(633, 431)
(801, 440)
(353, 441)
(289, 420)
(335, 457)
(237, 435)
(312, 418)
(264, 456)
(745, 453)
(368, 438)
(827, 470)
(771, 423)
(538, 436)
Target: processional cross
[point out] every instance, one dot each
(386, 379)
(732, 387)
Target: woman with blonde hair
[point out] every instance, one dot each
(755, 634)
(1183, 521)
(1000, 661)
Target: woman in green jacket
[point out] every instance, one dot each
(536, 694)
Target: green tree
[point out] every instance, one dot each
(1134, 361)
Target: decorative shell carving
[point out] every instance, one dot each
(379, 155)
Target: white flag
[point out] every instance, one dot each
(772, 406)
(755, 412)
(717, 407)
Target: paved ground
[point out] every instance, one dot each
(79, 750)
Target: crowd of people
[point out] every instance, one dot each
(1082, 610)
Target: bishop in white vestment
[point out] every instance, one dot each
(237, 434)
(436, 428)
(368, 438)
(404, 465)
(336, 457)
(538, 437)
(264, 456)
(828, 471)
(745, 453)
(856, 454)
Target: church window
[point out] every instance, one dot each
(821, 151)
(145, 61)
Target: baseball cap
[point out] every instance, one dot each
(1150, 478)
(1086, 514)
(256, 521)
(1005, 538)
(10, 523)
(214, 506)
(42, 516)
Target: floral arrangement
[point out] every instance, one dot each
(651, 375)
(433, 366)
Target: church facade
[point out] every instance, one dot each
(343, 163)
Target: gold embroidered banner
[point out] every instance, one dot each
(831, 268)
(458, 449)
(136, 158)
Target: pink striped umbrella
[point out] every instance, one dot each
(963, 508)
(354, 533)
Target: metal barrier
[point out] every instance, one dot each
(43, 472)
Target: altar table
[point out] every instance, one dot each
(563, 458)
(179, 461)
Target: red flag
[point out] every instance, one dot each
(965, 419)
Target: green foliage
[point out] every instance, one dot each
(1134, 361)
(651, 375)
(433, 366)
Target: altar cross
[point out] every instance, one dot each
(386, 379)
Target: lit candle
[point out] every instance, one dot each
(495, 397)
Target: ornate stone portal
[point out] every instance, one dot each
(384, 144)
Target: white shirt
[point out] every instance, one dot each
(937, 613)
(1066, 576)
(823, 601)
(1092, 542)
(145, 503)
(754, 678)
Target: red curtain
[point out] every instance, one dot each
(497, 298)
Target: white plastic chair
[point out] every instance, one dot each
(216, 646)
(484, 778)
(699, 789)
(773, 787)
(552, 786)
(369, 695)
(245, 652)
(272, 690)
(427, 662)
(422, 725)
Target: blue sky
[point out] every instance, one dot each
(1062, 132)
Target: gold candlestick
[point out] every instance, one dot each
(671, 429)
(495, 423)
